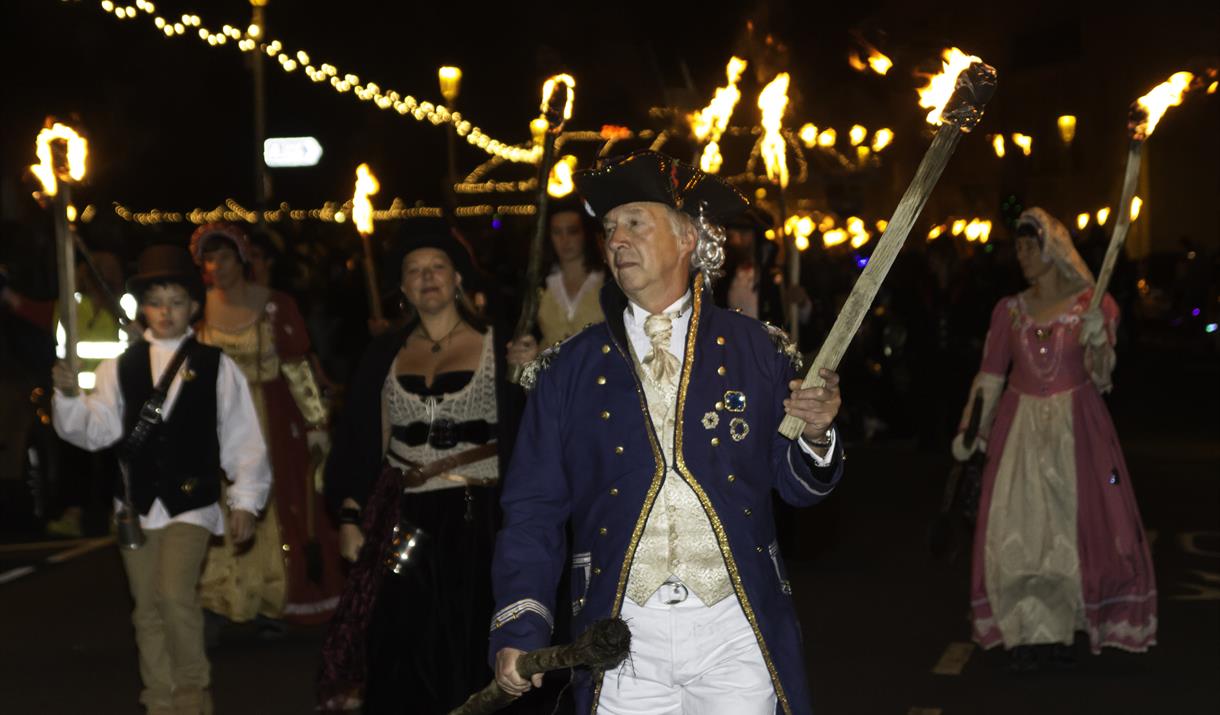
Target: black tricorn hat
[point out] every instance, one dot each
(166, 263)
(656, 177)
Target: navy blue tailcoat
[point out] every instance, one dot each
(587, 453)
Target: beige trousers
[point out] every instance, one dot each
(168, 618)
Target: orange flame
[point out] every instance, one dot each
(940, 87)
(1025, 141)
(1163, 96)
(1103, 215)
(834, 237)
(1136, 203)
(45, 171)
(772, 101)
(809, 136)
(559, 183)
(878, 62)
(548, 91)
(712, 120)
(362, 208)
(800, 228)
(997, 142)
(882, 138)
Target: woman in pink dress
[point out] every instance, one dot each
(1059, 546)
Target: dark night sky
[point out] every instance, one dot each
(170, 120)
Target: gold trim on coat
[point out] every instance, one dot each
(717, 527)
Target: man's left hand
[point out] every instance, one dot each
(817, 406)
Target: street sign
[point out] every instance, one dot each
(279, 152)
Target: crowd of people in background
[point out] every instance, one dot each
(287, 305)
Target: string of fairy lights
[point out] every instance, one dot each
(325, 74)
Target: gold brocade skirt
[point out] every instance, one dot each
(241, 583)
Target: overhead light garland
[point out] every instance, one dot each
(251, 40)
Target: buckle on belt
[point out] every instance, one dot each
(443, 434)
(673, 592)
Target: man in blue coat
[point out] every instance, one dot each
(655, 435)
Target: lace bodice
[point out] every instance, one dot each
(475, 401)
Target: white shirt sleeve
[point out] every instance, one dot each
(830, 451)
(243, 453)
(93, 421)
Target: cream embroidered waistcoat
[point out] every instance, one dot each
(678, 539)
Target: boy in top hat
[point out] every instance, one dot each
(206, 424)
(655, 435)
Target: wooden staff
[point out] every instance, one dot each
(602, 647)
(1122, 224)
(974, 86)
(65, 253)
(370, 277)
(554, 115)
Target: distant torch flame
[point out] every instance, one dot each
(711, 121)
(799, 227)
(878, 62)
(1067, 128)
(809, 136)
(1082, 220)
(560, 182)
(548, 91)
(1025, 141)
(772, 101)
(362, 208)
(882, 139)
(997, 142)
(834, 237)
(78, 151)
(857, 134)
(1163, 96)
(940, 87)
(1136, 203)
(1103, 215)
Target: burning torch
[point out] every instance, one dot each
(558, 94)
(362, 216)
(1145, 113)
(956, 98)
(61, 153)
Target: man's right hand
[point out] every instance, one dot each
(507, 677)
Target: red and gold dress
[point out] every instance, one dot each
(292, 569)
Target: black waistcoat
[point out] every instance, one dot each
(180, 463)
